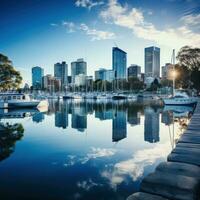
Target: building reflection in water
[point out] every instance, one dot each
(167, 117)
(133, 118)
(38, 117)
(79, 116)
(151, 125)
(61, 115)
(104, 111)
(119, 112)
(119, 127)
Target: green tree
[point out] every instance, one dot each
(135, 84)
(189, 58)
(154, 85)
(182, 76)
(9, 77)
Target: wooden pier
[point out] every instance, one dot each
(179, 177)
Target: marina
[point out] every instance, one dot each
(89, 146)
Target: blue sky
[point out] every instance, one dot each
(43, 32)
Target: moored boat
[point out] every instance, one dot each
(180, 99)
(119, 96)
(15, 100)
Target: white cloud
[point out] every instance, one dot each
(191, 20)
(88, 3)
(134, 167)
(134, 20)
(87, 185)
(53, 24)
(94, 34)
(70, 26)
(98, 153)
(92, 154)
(97, 34)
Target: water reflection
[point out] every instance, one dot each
(119, 129)
(151, 125)
(9, 134)
(120, 142)
(120, 112)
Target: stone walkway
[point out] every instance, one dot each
(179, 177)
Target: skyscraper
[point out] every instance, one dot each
(78, 67)
(61, 73)
(167, 71)
(152, 62)
(119, 61)
(37, 74)
(134, 71)
(104, 75)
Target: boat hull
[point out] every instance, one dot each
(27, 104)
(119, 97)
(172, 102)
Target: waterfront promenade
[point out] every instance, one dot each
(179, 177)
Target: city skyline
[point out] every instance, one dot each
(42, 33)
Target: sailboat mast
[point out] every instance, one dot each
(173, 63)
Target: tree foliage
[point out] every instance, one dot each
(135, 84)
(9, 77)
(182, 77)
(189, 57)
(189, 62)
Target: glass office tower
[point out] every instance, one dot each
(119, 60)
(78, 67)
(61, 73)
(152, 62)
(37, 74)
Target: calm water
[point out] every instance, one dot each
(82, 150)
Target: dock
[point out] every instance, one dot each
(179, 177)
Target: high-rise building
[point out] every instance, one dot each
(167, 71)
(37, 74)
(78, 67)
(152, 62)
(134, 71)
(61, 73)
(69, 79)
(119, 60)
(51, 84)
(104, 75)
(80, 80)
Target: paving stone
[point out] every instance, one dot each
(184, 150)
(192, 131)
(189, 139)
(179, 169)
(193, 128)
(145, 196)
(197, 134)
(188, 145)
(171, 186)
(184, 158)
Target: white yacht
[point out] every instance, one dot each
(180, 99)
(15, 100)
